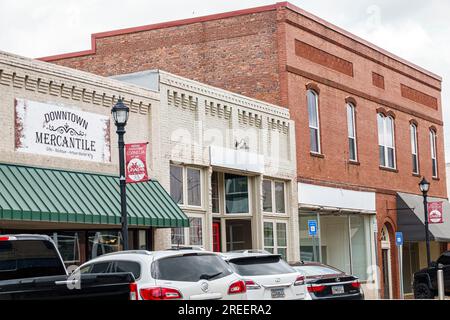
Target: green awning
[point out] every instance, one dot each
(49, 195)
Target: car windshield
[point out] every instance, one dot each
(29, 259)
(259, 266)
(190, 268)
(316, 270)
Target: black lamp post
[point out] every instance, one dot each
(120, 114)
(424, 187)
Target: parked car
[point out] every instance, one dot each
(425, 280)
(173, 274)
(31, 268)
(325, 282)
(267, 276)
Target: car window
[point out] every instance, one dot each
(100, 267)
(316, 270)
(29, 259)
(128, 266)
(258, 266)
(86, 269)
(190, 268)
(444, 259)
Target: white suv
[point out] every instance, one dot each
(267, 276)
(173, 274)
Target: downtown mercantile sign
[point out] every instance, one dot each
(56, 130)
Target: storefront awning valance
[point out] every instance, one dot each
(410, 218)
(48, 195)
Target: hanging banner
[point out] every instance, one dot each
(136, 163)
(435, 212)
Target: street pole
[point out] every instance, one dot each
(123, 187)
(400, 260)
(427, 233)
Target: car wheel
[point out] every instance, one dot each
(422, 291)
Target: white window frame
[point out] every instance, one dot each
(414, 146)
(224, 195)
(433, 145)
(384, 145)
(273, 194)
(316, 96)
(275, 236)
(185, 203)
(353, 129)
(187, 235)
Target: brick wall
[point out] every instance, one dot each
(258, 54)
(237, 54)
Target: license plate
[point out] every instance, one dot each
(277, 293)
(337, 290)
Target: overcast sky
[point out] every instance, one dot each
(416, 30)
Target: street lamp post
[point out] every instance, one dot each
(120, 114)
(424, 187)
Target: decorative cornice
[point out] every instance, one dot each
(361, 94)
(46, 78)
(223, 95)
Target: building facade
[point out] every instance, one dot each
(231, 163)
(222, 166)
(368, 123)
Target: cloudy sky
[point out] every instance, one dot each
(416, 30)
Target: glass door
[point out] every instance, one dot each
(239, 235)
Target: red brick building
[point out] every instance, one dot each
(373, 125)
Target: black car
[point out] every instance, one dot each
(325, 282)
(425, 280)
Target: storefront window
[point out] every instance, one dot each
(194, 187)
(178, 236)
(68, 245)
(103, 242)
(267, 196)
(236, 194)
(335, 241)
(279, 197)
(176, 184)
(215, 192)
(359, 245)
(268, 237)
(282, 240)
(309, 246)
(195, 232)
(344, 242)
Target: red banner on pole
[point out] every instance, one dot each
(136, 163)
(435, 212)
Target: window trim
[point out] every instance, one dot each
(249, 197)
(414, 145)
(351, 106)
(385, 118)
(319, 144)
(433, 149)
(187, 235)
(185, 199)
(187, 189)
(182, 182)
(273, 197)
(275, 235)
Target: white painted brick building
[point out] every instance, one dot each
(228, 160)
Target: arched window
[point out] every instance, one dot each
(414, 148)
(314, 127)
(433, 152)
(351, 126)
(386, 141)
